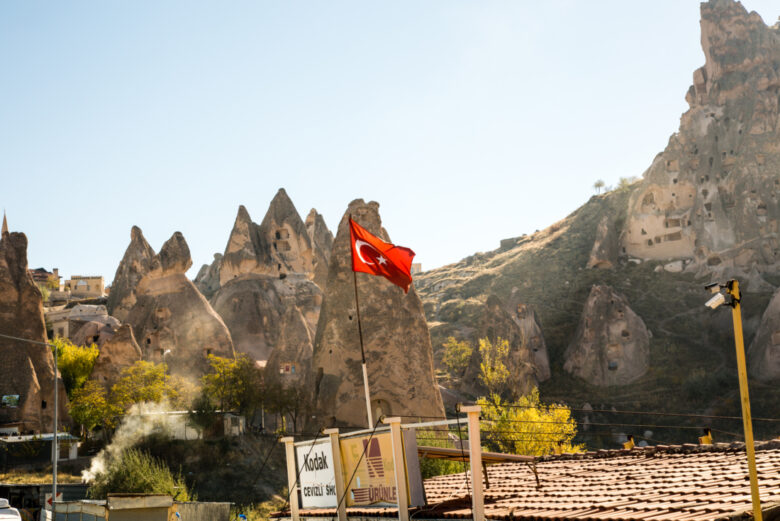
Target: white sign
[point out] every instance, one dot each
(317, 479)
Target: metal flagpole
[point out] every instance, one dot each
(55, 439)
(363, 355)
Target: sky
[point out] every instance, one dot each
(469, 122)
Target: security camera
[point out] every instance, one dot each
(712, 288)
(715, 301)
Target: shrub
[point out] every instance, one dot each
(137, 472)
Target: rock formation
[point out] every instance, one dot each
(612, 344)
(764, 353)
(254, 308)
(322, 243)
(27, 369)
(497, 324)
(397, 342)
(604, 253)
(94, 332)
(207, 279)
(290, 360)
(280, 245)
(526, 319)
(136, 262)
(168, 312)
(118, 353)
(267, 268)
(712, 195)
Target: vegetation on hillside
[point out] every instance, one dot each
(139, 473)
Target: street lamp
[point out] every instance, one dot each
(721, 291)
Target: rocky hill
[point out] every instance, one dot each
(706, 209)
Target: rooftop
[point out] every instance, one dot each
(675, 482)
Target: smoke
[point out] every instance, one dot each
(141, 420)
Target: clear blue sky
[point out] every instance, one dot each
(468, 121)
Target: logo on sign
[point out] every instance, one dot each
(317, 462)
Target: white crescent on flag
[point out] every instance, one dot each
(358, 245)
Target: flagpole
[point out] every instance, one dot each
(363, 355)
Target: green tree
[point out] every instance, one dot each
(90, 406)
(289, 401)
(492, 370)
(143, 382)
(136, 472)
(456, 356)
(234, 384)
(527, 426)
(599, 185)
(74, 362)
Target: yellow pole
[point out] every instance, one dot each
(736, 313)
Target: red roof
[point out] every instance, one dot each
(682, 482)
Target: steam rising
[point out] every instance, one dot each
(141, 420)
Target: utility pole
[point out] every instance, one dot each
(55, 439)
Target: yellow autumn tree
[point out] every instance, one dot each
(492, 370)
(75, 362)
(527, 426)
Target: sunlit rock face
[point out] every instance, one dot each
(116, 354)
(397, 342)
(26, 368)
(711, 197)
(268, 268)
(254, 308)
(280, 245)
(764, 352)
(612, 344)
(135, 263)
(172, 322)
(527, 359)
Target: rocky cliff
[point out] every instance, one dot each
(706, 209)
(118, 353)
(136, 262)
(207, 279)
(711, 197)
(171, 320)
(397, 342)
(27, 368)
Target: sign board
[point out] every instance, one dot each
(48, 500)
(10, 400)
(374, 480)
(316, 476)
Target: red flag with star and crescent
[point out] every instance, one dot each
(372, 255)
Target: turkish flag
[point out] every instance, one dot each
(372, 255)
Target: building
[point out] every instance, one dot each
(44, 278)
(138, 507)
(85, 287)
(65, 321)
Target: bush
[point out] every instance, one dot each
(137, 472)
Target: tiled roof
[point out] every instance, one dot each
(682, 482)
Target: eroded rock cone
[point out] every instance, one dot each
(136, 262)
(280, 245)
(290, 361)
(117, 354)
(322, 244)
(612, 344)
(254, 309)
(497, 324)
(171, 320)
(207, 279)
(26, 369)
(764, 352)
(397, 342)
(711, 196)
(526, 319)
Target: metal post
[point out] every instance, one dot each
(55, 439)
(736, 313)
(292, 476)
(399, 466)
(363, 354)
(335, 447)
(475, 460)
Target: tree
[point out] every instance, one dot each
(136, 472)
(143, 382)
(492, 370)
(90, 406)
(288, 401)
(456, 356)
(624, 183)
(234, 384)
(74, 362)
(527, 426)
(598, 185)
